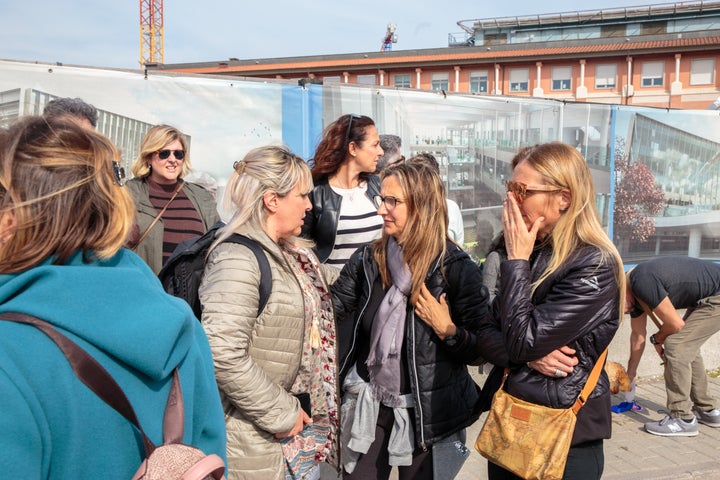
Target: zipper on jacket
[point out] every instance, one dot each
(357, 324)
(418, 405)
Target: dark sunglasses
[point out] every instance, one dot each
(119, 173)
(390, 202)
(522, 190)
(165, 154)
(349, 129)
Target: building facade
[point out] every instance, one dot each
(663, 55)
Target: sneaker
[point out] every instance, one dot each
(673, 427)
(711, 418)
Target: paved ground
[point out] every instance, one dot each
(633, 454)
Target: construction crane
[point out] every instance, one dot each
(390, 38)
(152, 32)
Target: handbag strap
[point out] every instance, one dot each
(97, 379)
(591, 382)
(589, 385)
(157, 217)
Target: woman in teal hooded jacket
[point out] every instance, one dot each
(63, 219)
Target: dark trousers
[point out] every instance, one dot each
(374, 465)
(585, 462)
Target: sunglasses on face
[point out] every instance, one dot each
(390, 202)
(165, 154)
(349, 129)
(522, 190)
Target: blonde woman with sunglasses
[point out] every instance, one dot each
(169, 209)
(559, 303)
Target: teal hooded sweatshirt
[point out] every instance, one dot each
(51, 425)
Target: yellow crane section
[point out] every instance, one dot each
(152, 32)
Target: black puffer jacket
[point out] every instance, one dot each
(577, 306)
(321, 223)
(446, 397)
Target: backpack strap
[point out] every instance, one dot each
(265, 272)
(97, 379)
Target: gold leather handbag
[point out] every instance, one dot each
(531, 440)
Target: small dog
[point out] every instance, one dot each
(619, 380)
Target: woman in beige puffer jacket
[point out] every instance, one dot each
(262, 360)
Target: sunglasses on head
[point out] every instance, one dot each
(522, 190)
(349, 128)
(165, 154)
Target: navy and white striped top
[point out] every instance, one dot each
(358, 224)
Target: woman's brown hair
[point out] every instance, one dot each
(59, 183)
(423, 240)
(332, 150)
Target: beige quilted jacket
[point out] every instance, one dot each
(256, 359)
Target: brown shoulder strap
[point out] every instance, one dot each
(649, 312)
(99, 380)
(157, 217)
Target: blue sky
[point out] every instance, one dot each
(105, 33)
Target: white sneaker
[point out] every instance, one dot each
(673, 427)
(711, 418)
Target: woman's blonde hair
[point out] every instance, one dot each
(264, 169)
(57, 179)
(156, 139)
(423, 240)
(562, 166)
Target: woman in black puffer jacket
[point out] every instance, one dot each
(396, 371)
(560, 298)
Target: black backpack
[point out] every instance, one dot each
(183, 271)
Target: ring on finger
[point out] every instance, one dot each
(559, 373)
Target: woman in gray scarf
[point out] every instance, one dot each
(407, 393)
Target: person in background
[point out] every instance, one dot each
(64, 218)
(264, 363)
(169, 210)
(456, 227)
(391, 145)
(562, 292)
(661, 286)
(74, 109)
(407, 392)
(343, 216)
(491, 266)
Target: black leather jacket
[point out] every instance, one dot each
(321, 223)
(577, 306)
(445, 395)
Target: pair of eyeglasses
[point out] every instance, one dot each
(349, 129)
(165, 154)
(119, 173)
(389, 201)
(522, 190)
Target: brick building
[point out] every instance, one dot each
(662, 55)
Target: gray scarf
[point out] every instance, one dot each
(388, 330)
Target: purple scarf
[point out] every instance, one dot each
(388, 330)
